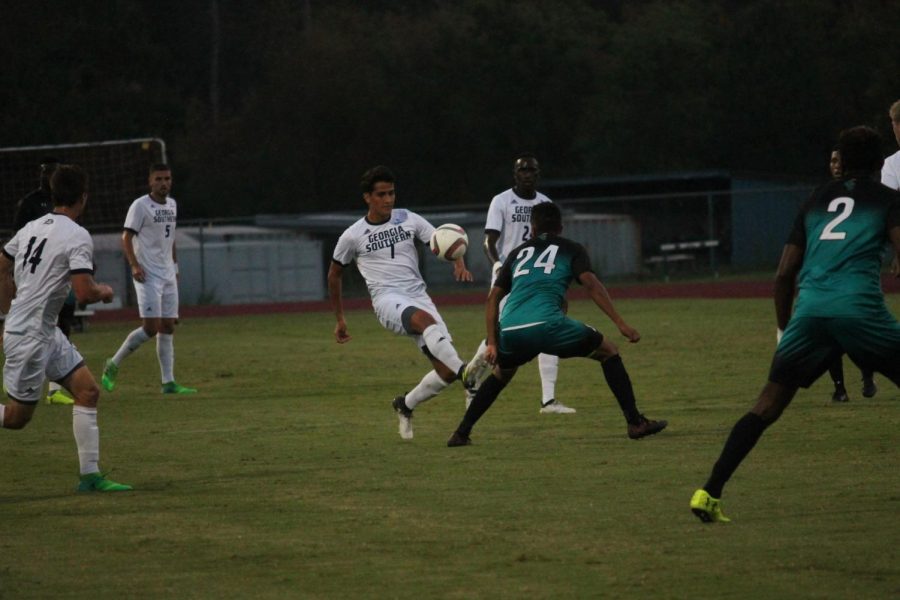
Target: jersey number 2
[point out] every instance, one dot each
(829, 233)
(32, 254)
(546, 260)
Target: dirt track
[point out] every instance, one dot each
(717, 289)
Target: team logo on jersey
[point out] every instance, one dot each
(522, 214)
(398, 216)
(387, 238)
(164, 215)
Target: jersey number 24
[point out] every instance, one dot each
(546, 260)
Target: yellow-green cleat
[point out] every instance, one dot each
(707, 508)
(110, 372)
(174, 388)
(59, 397)
(97, 482)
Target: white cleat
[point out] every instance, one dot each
(404, 418)
(557, 407)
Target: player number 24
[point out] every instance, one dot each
(545, 260)
(829, 233)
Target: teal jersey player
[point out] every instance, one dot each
(533, 282)
(833, 257)
(843, 229)
(537, 275)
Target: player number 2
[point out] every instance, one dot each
(546, 260)
(829, 233)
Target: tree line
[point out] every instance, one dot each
(278, 105)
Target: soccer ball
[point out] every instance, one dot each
(449, 242)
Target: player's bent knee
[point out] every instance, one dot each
(16, 417)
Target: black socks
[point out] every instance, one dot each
(740, 442)
(618, 381)
(482, 401)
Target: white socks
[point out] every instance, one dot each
(87, 438)
(549, 368)
(438, 343)
(165, 352)
(131, 343)
(428, 388)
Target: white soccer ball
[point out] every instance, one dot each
(449, 242)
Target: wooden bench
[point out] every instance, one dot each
(674, 252)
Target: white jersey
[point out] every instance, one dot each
(890, 172)
(511, 216)
(386, 253)
(45, 253)
(154, 227)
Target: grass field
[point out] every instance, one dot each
(285, 476)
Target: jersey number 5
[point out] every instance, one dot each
(32, 254)
(829, 233)
(546, 260)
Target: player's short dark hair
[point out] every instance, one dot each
(68, 184)
(159, 167)
(894, 111)
(860, 149)
(546, 218)
(373, 176)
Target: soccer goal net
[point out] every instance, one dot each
(118, 171)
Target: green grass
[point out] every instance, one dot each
(285, 477)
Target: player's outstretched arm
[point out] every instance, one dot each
(597, 292)
(460, 272)
(894, 234)
(137, 272)
(88, 291)
(7, 283)
(786, 282)
(335, 287)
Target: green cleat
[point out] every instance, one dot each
(59, 397)
(174, 388)
(707, 508)
(97, 482)
(110, 372)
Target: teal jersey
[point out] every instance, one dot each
(843, 229)
(537, 275)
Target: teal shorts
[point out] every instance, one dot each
(810, 344)
(563, 337)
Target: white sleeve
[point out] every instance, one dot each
(12, 246)
(344, 252)
(889, 175)
(81, 252)
(423, 228)
(134, 220)
(495, 216)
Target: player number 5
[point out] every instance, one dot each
(829, 233)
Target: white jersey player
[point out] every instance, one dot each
(383, 246)
(38, 267)
(149, 244)
(890, 171)
(508, 225)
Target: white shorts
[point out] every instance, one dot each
(389, 310)
(30, 360)
(157, 298)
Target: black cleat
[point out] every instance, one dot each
(645, 427)
(840, 395)
(404, 417)
(458, 439)
(869, 388)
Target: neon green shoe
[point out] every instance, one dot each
(174, 388)
(59, 397)
(110, 372)
(707, 508)
(97, 482)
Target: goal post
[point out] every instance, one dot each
(118, 171)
